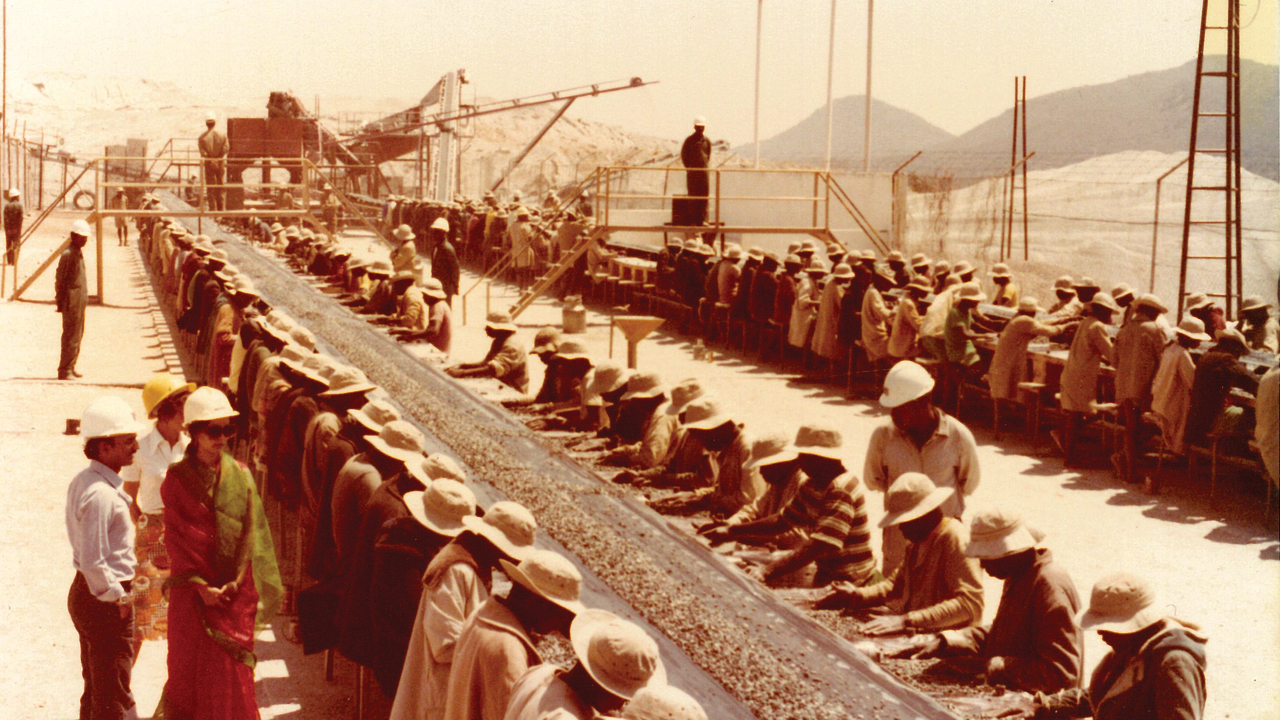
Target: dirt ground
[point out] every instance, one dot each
(1216, 566)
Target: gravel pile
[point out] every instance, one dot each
(777, 665)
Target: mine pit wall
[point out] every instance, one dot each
(725, 639)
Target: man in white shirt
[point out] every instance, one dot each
(921, 438)
(163, 397)
(100, 530)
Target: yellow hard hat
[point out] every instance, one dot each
(159, 388)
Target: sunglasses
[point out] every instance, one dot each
(217, 431)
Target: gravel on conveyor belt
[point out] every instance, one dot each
(765, 653)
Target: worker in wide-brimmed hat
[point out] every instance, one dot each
(615, 659)
(1009, 361)
(1171, 387)
(1138, 347)
(1154, 668)
(1260, 329)
(1079, 385)
(906, 318)
(404, 258)
(456, 581)
(775, 460)
(437, 325)
(644, 429)
(918, 437)
(1066, 303)
(1219, 370)
(936, 587)
(1034, 644)
(1007, 292)
(603, 397)
(829, 508)
(572, 366)
(722, 486)
(506, 359)
(686, 457)
(495, 646)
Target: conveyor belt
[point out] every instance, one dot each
(724, 638)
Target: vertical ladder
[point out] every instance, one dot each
(1200, 190)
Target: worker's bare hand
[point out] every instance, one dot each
(886, 625)
(1024, 706)
(922, 646)
(757, 572)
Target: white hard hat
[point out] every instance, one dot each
(205, 404)
(13, 193)
(80, 228)
(211, 117)
(107, 416)
(699, 121)
(440, 224)
(905, 382)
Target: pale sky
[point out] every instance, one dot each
(950, 61)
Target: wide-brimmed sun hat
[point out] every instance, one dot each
(374, 415)
(1193, 327)
(1028, 304)
(1000, 270)
(571, 349)
(546, 340)
(346, 381)
(509, 526)
(1253, 302)
(705, 414)
(436, 466)
(398, 439)
(443, 507)
(770, 450)
(971, 291)
(618, 655)
(550, 576)
(404, 233)
(643, 385)
(996, 533)
(683, 393)
(1150, 300)
(1104, 300)
(433, 288)
(500, 321)
(818, 440)
(913, 495)
(1121, 603)
(663, 702)
(607, 377)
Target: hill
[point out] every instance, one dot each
(1146, 112)
(894, 132)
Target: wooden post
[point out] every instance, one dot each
(64, 181)
(97, 193)
(40, 175)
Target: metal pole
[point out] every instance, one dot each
(1007, 234)
(1155, 229)
(40, 175)
(831, 65)
(4, 88)
(759, 24)
(1026, 243)
(894, 210)
(866, 122)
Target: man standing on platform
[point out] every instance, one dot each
(13, 216)
(101, 532)
(213, 148)
(71, 295)
(695, 154)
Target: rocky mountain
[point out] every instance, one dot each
(894, 132)
(1147, 112)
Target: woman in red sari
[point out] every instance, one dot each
(224, 582)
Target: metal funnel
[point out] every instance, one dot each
(636, 328)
